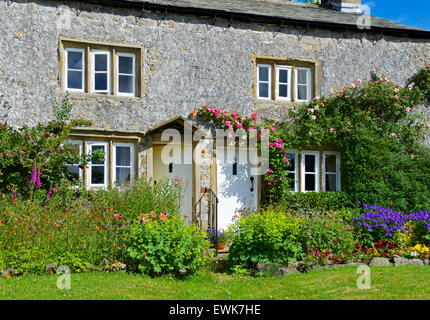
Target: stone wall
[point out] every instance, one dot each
(187, 62)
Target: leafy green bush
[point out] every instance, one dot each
(422, 81)
(74, 227)
(161, 244)
(267, 236)
(315, 201)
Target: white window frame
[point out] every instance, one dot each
(269, 82)
(278, 82)
(296, 169)
(337, 173)
(90, 144)
(122, 144)
(317, 170)
(94, 52)
(309, 84)
(66, 69)
(128, 55)
(80, 143)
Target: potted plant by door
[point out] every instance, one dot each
(218, 238)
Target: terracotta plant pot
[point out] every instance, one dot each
(221, 246)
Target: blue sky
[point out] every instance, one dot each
(412, 12)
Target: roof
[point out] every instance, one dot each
(272, 11)
(179, 123)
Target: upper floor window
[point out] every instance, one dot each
(284, 80)
(75, 69)
(101, 68)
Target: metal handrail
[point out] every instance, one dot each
(212, 213)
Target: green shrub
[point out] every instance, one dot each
(315, 201)
(422, 81)
(267, 236)
(161, 244)
(326, 230)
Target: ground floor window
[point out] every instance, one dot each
(116, 168)
(314, 170)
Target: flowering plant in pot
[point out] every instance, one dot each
(218, 238)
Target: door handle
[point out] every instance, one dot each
(252, 184)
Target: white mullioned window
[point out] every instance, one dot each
(123, 160)
(331, 171)
(100, 71)
(293, 169)
(303, 84)
(283, 85)
(264, 81)
(74, 168)
(310, 173)
(126, 74)
(74, 69)
(98, 171)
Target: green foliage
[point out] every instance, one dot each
(373, 123)
(165, 244)
(74, 227)
(422, 81)
(314, 201)
(267, 236)
(62, 111)
(41, 147)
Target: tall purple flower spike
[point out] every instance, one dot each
(14, 195)
(38, 179)
(33, 176)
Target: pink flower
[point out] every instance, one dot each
(259, 135)
(286, 160)
(275, 180)
(412, 156)
(408, 109)
(273, 129)
(269, 170)
(255, 117)
(152, 214)
(314, 117)
(14, 195)
(269, 183)
(331, 129)
(163, 216)
(352, 86)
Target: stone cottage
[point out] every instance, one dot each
(137, 68)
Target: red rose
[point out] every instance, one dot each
(47, 135)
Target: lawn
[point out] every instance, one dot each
(340, 283)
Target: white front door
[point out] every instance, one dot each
(175, 169)
(237, 188)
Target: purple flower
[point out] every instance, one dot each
(33, 176)
(38, 179)
(14, 195)
(48, 195)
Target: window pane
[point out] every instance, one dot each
(309, 163)
(123, 156)
(98, 175)
(302, 92)
(73, 170)
(125, 84)
(264, 90)
(330, 163)
(283, 90)
(74, 60)
(125, 65)
(330, 182)
(302, 76)
(95, 148)
(100, 81)
(100, 62)
(74, 79)
(292, 162)
(123, 175)
(292, 183)
(283, 76)
(263, 73)
(310, 182)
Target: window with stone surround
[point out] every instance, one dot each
(101, 68)
(285, 80)
(117, 167)
(314, 170)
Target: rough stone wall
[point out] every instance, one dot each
(187, 62)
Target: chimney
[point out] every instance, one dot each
(347, 6)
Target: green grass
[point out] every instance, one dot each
(339, 283)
